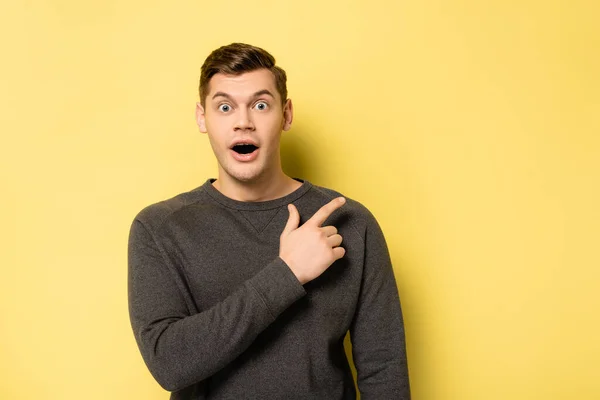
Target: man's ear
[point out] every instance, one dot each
(288, 114)
(200, 118)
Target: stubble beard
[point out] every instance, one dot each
(243, 172)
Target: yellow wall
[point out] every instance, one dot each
(469, 128)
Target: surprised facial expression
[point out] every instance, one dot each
(243, 116)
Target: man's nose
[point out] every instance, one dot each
(244, 120)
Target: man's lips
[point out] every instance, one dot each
(242, 142)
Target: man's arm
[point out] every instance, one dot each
(181, 349)
(377, 330)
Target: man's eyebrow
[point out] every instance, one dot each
(222, 94)
(257, 94)
(261, 92)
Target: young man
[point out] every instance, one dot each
(241, 288)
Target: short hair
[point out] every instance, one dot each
(237, 58)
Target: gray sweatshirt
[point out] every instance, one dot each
(217, 314)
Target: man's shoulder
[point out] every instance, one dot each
(353, 209)
(153, 215)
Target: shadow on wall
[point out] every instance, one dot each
(295, 155)
(299, 158)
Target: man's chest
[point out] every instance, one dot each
(218, 255)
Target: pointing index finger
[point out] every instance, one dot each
(324, 212)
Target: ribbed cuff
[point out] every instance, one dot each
(278, 286)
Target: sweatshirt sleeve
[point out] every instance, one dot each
(377, 330)
(181, 348)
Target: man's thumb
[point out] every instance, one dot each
(293, 220)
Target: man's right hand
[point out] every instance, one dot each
(310, 249)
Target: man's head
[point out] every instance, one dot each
(243, 100)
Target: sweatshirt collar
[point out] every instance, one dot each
(255, 205)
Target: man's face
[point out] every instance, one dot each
(244, 108)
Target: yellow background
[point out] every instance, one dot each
(469, 128)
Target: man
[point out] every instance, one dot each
(240, 288)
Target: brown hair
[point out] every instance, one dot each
(235, 59)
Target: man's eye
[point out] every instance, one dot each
(224, 107)
(261, 105)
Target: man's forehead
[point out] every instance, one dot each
(245, 84)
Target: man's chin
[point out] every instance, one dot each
(247, 177)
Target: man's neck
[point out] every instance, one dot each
(264, 190)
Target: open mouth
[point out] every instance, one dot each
(244, 148)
